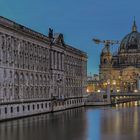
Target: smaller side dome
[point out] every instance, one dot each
(106, 56)
(106, 50)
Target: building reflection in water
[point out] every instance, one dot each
(67, 125)
(120, 122)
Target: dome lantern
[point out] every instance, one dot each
(134, 27)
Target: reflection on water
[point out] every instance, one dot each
(120, 122)
(66, 125)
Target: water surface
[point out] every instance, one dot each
(121, 122)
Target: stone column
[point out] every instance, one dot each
(52, 59)
(0, 47)
(62, 62)
(108, 91)
(58, 61)
(138, 83)
(55, 60)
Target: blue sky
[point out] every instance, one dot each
(78, 20)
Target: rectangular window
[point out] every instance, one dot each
(46, 105)
(5, 110)
(23, 107)
(37, 106)
(11, 109)
(18, 109)
(41, 105)
(33, 107)
(28, 107)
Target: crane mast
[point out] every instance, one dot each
(107, 43)
(106, 48)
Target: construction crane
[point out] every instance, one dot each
(106, 43)
(106, 48)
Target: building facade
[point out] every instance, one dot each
(122, 69)
(38, 73)
(93, 84)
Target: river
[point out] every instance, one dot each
(120, 122)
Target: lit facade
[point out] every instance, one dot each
(93, 85)
(122, 69)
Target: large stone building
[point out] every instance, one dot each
(123, 67)
(38, 73)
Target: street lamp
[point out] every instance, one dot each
(98, 90)
(108, 90)
(114, 86)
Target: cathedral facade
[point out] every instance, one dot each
(122, 69)
(38, 73)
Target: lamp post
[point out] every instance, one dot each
(108, 90)
(138, 83)
(114, 86)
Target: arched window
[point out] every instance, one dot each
(11, 93)
(105, 61)
(32, 79)
(16, 78)
(44, 80)
(36, 92)
(27, 92)
(41, 92)
(4, 73)
(32, 92)
(16, 93)
(4, 92)
(22, 78)
(37, 79)
(10, 74)
(45, 92)
(40, 79)
(27, 79)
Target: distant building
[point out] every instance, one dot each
(123, 67)
(93, 83)
(38, 73)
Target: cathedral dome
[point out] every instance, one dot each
(131, 41)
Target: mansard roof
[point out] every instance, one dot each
(22, 29)
(57, 37)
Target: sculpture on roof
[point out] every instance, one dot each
(50, 33)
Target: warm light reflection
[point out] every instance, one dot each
(87, 90)
(118, 90)
(135, 90)
(114, 82)
(136, 103)
(98, 90)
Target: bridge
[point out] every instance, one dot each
(125, 94)
(124, 97)
(114, 97)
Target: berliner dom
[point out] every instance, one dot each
(122, 68)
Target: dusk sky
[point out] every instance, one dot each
(78, 20)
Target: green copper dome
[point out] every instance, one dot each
(131, 42)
